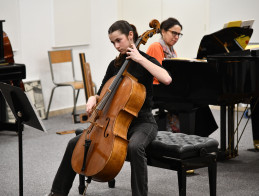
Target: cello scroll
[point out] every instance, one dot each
(155, 25)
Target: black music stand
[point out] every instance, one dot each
(24, 113)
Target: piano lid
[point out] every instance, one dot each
(227, 40)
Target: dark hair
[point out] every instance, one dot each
(124, 27)
(170, 22)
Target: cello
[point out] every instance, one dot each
(9, 58)
(102, 148)
(8, 51)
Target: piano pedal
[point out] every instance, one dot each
(191, 171)
(256, 144)
(247, 113)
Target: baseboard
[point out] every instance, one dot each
(65, 110)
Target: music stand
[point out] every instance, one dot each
(24, 113)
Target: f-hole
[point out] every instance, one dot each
(106, 134)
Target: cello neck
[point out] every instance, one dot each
(114, 85)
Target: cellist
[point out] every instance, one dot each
(142, 130)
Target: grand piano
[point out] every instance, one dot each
(223, 74)
(10, 73)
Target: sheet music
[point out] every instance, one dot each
(240, 23)
(247, 23)
(187, 59)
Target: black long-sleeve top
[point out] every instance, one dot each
(144, 77)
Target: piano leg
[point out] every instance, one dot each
(230, 151)
(255, 121)
(2, 108)
(231, 129)
(223, 132)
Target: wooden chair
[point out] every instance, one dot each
(58, 58)
(89, 85)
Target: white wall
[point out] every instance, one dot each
(191, 14)
(35, 32)
(9, 11)
(36, 38)
(223, 11)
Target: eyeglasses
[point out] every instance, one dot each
(174, 33)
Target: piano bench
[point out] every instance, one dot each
(179, 152)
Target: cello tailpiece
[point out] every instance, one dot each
(87, 145)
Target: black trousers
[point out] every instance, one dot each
(142, 131)
(205, 123)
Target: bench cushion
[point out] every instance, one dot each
(182, 146)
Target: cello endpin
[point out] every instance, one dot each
(84, 193)
(88, 181)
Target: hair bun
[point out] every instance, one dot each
(133, 27)
(135, 32)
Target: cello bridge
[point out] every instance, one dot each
(96, 124)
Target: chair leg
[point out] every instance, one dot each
(74, 101)
(50, 100)
(111, 183)
(81, 187)
(212, 168)
(182, 181)
(75, 98)
(77, 94)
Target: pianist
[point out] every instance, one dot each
(170, 31)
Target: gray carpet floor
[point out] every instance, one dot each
(42, 153)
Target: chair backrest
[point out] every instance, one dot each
(87, 77)
(57, 57)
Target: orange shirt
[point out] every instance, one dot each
(155, 50)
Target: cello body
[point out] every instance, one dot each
(108, 148)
